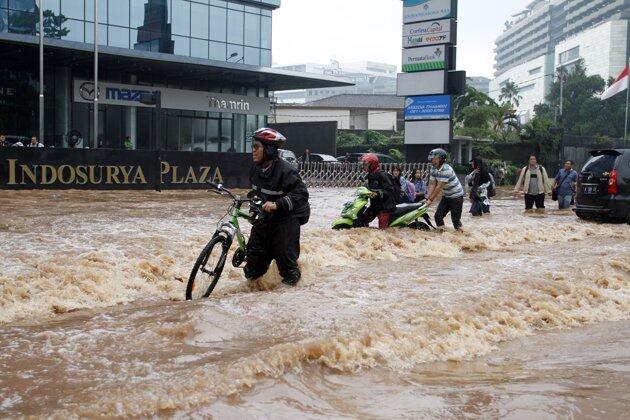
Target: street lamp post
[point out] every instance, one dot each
(95, 134)
(41, 71)
(155, 99)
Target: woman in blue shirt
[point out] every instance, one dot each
(419, 184)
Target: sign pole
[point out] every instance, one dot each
(41, 71)
(95, 134)
(625, 132)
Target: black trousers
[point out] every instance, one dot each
(452, 205)
(274, 241)
(538, 199)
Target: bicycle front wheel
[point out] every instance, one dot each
(208, 268)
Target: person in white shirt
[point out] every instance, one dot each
(34, 142)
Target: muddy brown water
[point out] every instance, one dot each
(519, 316)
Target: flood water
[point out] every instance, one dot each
(520, 316)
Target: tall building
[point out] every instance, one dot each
(368, 78)
(211, 59)
(482, 84)
(552, 33)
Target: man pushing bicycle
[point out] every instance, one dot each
(285, 201)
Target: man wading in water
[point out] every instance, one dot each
(442, 178)
(277, 235)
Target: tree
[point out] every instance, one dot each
(584, 113)
(539, 133)
(510, 94)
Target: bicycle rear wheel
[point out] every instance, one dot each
(208, 268)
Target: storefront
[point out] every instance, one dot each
(210, 60)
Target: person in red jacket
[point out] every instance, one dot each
(383, 200)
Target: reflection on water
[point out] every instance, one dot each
(401, 323)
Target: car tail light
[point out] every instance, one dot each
(612, 182)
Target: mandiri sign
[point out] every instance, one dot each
(421, 10)
(424, 58)
(428, 107)
(428, 33)
(189, 100)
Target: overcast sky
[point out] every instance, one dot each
(359, 30)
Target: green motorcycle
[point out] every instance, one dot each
(405, 215)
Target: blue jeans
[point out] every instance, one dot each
(564, 201)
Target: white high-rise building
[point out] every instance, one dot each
(553, 33)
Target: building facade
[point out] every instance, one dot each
(367, 77)
(350, 111)
(211, 59)
(557, 33)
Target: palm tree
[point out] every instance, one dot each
(510, 94)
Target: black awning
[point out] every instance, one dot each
(68, 53)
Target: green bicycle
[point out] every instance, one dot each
(210, 263)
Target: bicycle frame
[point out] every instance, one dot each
(235, 228)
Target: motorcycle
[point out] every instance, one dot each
(405, 215)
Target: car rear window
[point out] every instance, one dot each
(599, 165)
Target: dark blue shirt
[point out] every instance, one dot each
(567, 179)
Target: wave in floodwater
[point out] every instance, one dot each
(396, 337)
(132, 268)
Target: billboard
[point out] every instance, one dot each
(429, 33)
(421, 83)
(421, 10)
(424, 58)
(428, 132)
(436, 107)
(191, 100)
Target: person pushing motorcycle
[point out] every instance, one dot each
(285, 203)
(382, 200)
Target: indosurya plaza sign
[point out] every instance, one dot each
(107, 169)
(189, 100)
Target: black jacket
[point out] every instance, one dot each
(281, 184)
(382, 183)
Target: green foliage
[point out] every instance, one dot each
(345, 139)
(538, 132)
(584, 113)
(374, 138)
(397, 154)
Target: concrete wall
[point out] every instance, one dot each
(290, 115)
(382, 120)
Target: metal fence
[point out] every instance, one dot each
(348, 175)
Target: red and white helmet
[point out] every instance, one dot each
(270, 136)
(371, 160)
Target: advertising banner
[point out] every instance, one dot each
(424, 58)
(190, 100)
(422, 83)
(421, 10)
(429, 33)
(428, 107)
(428, 132)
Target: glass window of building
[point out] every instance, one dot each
(73, 30)
(252, 30)
(73, 9)
(89, 33)
(212, 143)
(4, 20)
(235, 27)
(199, 48)
(182, 45)
(119, 12)
(235, 53)
(226, 133)
(252, 56)
(218, 24)
(53, 6)
(265, 58)
(102, 11)
(136, 13)
(265, 32)
(181, 17)
(199, 20)
(217, 51)
(22, 5)
(118, 37)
